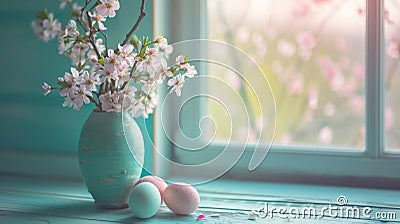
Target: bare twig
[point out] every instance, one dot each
(134, 28)
(91, 38)
(80, 18)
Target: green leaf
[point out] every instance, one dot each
(101, 60)
(186, 59)
(135, 38)
(63, 84)
(134, 42)
(142, 52)
(145, 41)
(42, 14)
(135, 45)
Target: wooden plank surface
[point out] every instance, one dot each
(30, 200)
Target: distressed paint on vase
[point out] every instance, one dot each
(108, 165)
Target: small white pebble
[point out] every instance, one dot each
(215, 215)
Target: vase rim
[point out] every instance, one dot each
(97, 110)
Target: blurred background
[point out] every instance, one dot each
(313, 55)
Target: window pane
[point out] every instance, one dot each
(392, 76)
(313, 55)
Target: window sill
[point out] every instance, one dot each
(36, 200)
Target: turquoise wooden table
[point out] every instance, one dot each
(36, 200)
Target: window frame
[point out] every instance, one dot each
(370, 167)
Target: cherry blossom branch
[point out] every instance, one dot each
(134, 67)
(80, 18)
(91, 38)
(134, 28)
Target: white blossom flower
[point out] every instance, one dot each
(129, 98)
(126, 100)
(77, 53)
(68, 102)
(62, 47)
(111, 61)
(99, 19)
(164, 71)
(71, 29)
(148, 87)
(130, 91)
(162, 41)
(152, 52)
(81, 97)
(180, 59)
(89, 80)
(126, 53)
(112, 102)
(138, 109)
(46, 88)
(190, 70)
(51, 27)
(70, 79)
(107, 76)
(107, 8)
(106, 101)
(148, 66)
(166, 50)
(144, 105)
(117, 99)
(37, 28)
(176, 83)
(123, 76)
(67, 37)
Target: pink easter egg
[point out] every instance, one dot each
(181, 198)
(158, 182)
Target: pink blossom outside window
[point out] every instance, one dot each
(392, 75)
(313, 55)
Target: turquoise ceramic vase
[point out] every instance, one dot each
(109, 166)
